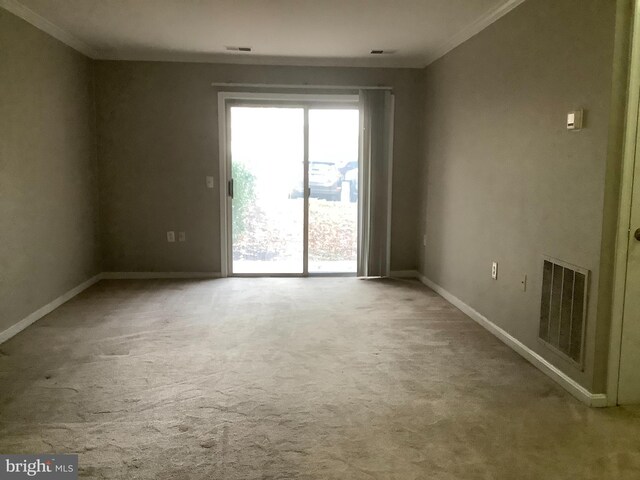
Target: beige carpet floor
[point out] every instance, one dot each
(294, 379)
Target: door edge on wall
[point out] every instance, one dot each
(630, 151)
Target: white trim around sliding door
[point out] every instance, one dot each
(305, 197)
(222, 160)
(305, 101)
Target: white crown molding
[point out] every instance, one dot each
(472, 29)
(15, 7)
(267, 60)
(41, 23)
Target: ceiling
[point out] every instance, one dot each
(283, 32)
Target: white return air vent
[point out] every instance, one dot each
(563, 308)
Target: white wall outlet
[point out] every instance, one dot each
(209, 182)
(424, 240)
(523, 283)
(494, 270)
(182, 237)
(171, 236)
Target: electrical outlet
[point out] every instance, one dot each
(182, 237)
(523, 282)
(171, 237)
(494, 270)
(209, 182)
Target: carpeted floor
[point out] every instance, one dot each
(294, 379)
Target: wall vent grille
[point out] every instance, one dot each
(563, 308)
(238, 49)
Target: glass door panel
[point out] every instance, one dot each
(267, 167)
(333, 186)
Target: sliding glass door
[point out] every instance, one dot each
(333, 190)
(293, 188)
(267, 161)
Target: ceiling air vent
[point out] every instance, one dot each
(238, 49)
(563, 308)
(377, 52)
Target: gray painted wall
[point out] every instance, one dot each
(503, 179)
(48, 188)
(158, 139)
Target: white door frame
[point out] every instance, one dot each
(293, 100)
(630, 153)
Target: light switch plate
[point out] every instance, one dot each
(182, 237)
(209, 182)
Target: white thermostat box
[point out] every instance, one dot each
(574, 120)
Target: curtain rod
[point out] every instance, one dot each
(298, 87)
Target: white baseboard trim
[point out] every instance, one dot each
(578, 391)
(157, 275)
(48, 308)
(574, 388)
(51, 306)
(404, 273)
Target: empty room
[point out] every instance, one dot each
(320, 239)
